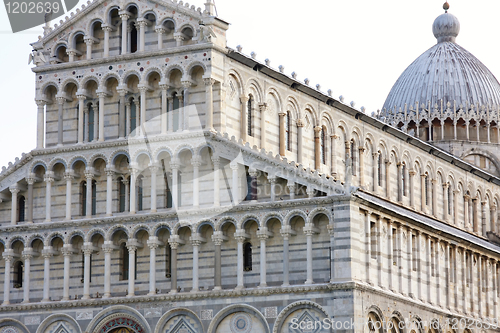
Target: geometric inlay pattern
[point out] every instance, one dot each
(305, 323)
(241, 323)
(122, 322)
(9, 329)
(183, 326)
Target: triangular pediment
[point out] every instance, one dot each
(82, 20)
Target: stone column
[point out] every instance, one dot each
(235, 183)
(127, 119)
(253, 184)
(71, 55)
(464, 280)
(133, 203)
(195, 243)
(142, 34)
(153, 244)
(60, 103)
(282, 136)
(101, 95)
(144, 107)
(209, 102)
(331, 232)
(419, 265)
(109, 190)
(8, 257)
(216, 162)
(300, 126)
(164, 103)
(68, 176)
(455, 206)
(89, 175)
(160, 31)
(243, 118)
(174, 166)
(174, 244)
(218, 237)
(272, 181)
(107, 29)
(40, 127)
(108, 248)
(411, 174)
(291, 189)
(309, 230)
(170, 115)
(493, 218)
(263, 235)
(400, 182)
(47, 254)
(87, 252)
(131, 268)
(317, 148)
(466, 212)
(27, 256)
(429, 268)
(29, 203)
(66, 251)
(196, 163)
(185, 111)
(388, 179)
(124, 17)
(263, 109)
(49, 179)
(475, 217)
(286, 232)
(393, 260)
(14, 190)
(240, 238)
(81, 108)
(89, 42)
(97, 112)
(333, 145)
(86, 126)
(154, 170)
(178, 39)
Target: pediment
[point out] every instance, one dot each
(81, 22)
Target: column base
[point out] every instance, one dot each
(45, 300)
(5, 303)
(239, 288)
(309, 282)
(47, 220)
(262, 285)
(194, 290)
(153, 211)
(25, 301)
(85, 297)
(217, 288)
(106, 296)
(109, 215)
(65, 299)
(152, 293)
(285, 285)
(173, 291)
(130, 295)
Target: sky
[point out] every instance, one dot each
(357, 49)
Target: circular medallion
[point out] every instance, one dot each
(241, 323)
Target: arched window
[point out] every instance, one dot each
(121, 192)
(140, 193)
(94, 197)
(133, 38)
(21, 204)
(380, 166)
(90, 123)
(18, 274)
(249, 116)
(124, 256)
(83, 198)
(168, 262)
(288, 131)
(323, 146)
(247, 257)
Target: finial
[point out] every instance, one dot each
(446, 6)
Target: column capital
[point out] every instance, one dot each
(234, 166)
(412, 172)
(107, 28)
(27, 256)
(375, 154)
(164, 86)
(40, 102)
(300, 123)
(125, 180)
(88, 41)
(124, 15)
(60, 100)
(263, 234)
(47, 252)
(48, 177)
(160, 30)
(143, 88)
(240, 235)
(14, 189)
(445, 186)
(209, 81)
(89, 174)
(196, 161)
(102, 94)
(186, 84)
(310, 229)
(81, 97)
(263, 107)
(331, 229)
(286, 231)
(109, 172)
(142, 23)
(70, 175)
(244, 99)
(8, 255)
(317, 130)
(253, 172)
(175, 241)
(175, 163)
(272, 179)
(154, 243)
(218, 238)
(215, 160)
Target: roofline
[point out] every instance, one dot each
(416, 142)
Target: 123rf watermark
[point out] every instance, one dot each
(372, 325)
(31, 13)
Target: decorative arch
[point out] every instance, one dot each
(118, 316)
(75, 159)
(90, 25)
(107, 76)
(293, 107)
(115, 154)
(14, 323)
(95, 157)
(38, 163)
(186, 317)
(181, 224)
(88, 78)
(138, 228)
(248, 218)
(72, 234)
(34, 237)
(160, 150)
(202, 223)
(237, 308)
(293, 214)
(271, 216)
(224, 220)
(57, 46)
(129, 73)
(12, 240)
(68, 81)
(115, 228)
(287, 311)
(52, 236)
(58, 317)
(56, 160)
(94, 231)
(161, 225)
(194, 64)
(317, 211)
(170, 68)
(46, 85)
(252, 84)
(150, 71)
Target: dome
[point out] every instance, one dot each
(445, 73)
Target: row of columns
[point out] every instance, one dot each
(477, 290)
(124, 112)
(154, 243)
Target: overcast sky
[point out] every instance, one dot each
(357, 49)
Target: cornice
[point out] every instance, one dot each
(128, 57)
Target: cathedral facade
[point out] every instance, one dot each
(179, 185)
